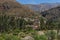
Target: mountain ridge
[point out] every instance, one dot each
(42, 7)
(52, 14)
(15, 8)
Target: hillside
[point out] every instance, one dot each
(52, 14)
(42, 7)
(11, 7)
(7, 0)
(19, 22)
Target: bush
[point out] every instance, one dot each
(9, 37)
(39, 37)
(51, 34)
(1, 38)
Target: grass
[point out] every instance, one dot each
(22, 34)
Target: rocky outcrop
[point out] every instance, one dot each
(52, 14)
(11, 7)
(28, 38)
(7, 1)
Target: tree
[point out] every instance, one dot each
(51, 34)
(42, 23)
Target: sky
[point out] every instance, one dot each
(37, 1)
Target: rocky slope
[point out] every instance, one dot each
(52, 14)
(11, 7)
(42, 7)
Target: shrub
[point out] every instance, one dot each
(8, 37)
(39, 37)
(51, 35)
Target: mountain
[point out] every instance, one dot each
(7, 0)
(52, 14)
(42, 7)
(11, 7)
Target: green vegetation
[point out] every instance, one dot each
(16, 28)
(18, 22)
